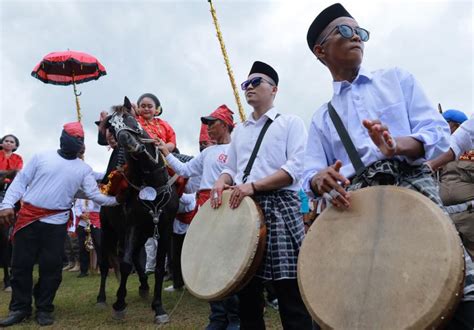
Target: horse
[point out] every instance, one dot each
(149, 208)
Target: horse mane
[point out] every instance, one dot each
(120, 109)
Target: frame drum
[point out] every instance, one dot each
(223, 248)
(393, 260)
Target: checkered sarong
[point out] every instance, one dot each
(397, 173)
(285, 233)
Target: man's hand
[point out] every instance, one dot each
(330, 184)
(7, 217)
(160, 144)
(381, 137)
(238, 194)
(216, 193)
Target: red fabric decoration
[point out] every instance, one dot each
(29, 214)
(223, 113)
(74, 129)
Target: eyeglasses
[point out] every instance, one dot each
(255, 82)
(348, 32)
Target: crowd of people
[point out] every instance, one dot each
(399, 139)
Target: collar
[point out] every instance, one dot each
(271, 113)
(363, 76)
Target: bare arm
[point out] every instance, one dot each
(441, 160)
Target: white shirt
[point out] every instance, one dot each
(51, 182)
(282, 148)
(187, 203)
(462, 139)
(395, 98)
(208, 164)
(81, 206)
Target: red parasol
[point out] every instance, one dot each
(69, 68)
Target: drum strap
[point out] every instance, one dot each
(248, 168)
(346, 141)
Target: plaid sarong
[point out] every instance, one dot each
(285, 233)
(398, 173)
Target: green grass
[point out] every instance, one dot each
(75, 307)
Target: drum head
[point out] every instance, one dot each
(219, 248)
(391, 261)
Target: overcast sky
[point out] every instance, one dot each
(170, 48)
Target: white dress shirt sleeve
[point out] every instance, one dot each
(91, 191)
(427, 125)
(462, 139)
(295, 149)
(315, 157)
(192, 168)
(19, 185)
(78, 208)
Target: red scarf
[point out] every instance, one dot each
(29, 214)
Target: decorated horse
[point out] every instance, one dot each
(149, 208)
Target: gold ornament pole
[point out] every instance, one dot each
(76, 94)
(227, 63)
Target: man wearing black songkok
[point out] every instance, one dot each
(392, 124)
(273, 181)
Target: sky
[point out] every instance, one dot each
(170, 48)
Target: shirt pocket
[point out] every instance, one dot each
(395, 118)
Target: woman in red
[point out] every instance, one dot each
(149, 108)
(8, 159)
(10, 163)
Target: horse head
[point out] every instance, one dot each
(133, 139)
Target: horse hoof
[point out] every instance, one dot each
(118, 315)
(143, 293)
(161, 319)
(101, 305)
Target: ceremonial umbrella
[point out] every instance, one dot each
(69, 68)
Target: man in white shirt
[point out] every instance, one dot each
(273, 181)
(47, 185)
(207, 166)
(392, 124)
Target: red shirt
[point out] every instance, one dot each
(14, 162)
(158, 128)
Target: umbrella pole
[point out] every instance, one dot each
(76, 94)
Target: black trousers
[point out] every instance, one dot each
(84, 255)
(43, 243)
(176, 247)
(293, 313)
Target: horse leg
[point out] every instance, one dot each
(104, 266)
(125, 270)
(144, 288)
(157, 305)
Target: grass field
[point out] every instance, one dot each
(75, 307)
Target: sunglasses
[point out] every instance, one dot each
(255, 82)
(348, 32)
